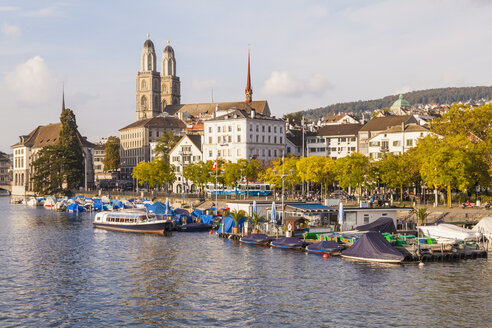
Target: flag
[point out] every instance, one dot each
(215, 166)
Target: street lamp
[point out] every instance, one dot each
(302, 128)
(283, 185)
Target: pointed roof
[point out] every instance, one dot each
(339, 130)
(248, 91)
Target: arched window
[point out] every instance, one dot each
(22, 179)
(149, 62)
(144, 85)
(163, 104)
(143, 102)
(156, 102)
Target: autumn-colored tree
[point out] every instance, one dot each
(353, 171)
(111, 158)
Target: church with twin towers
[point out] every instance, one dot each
(156, 90)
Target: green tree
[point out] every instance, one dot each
(232, 174)
(198, 173)
(167, 141)
(256, 219)
(446, 163)
(48, 174)
(111, 159)
(237, 216)
(251, 170)
(353, 171)
(155, 173)
(73, 158)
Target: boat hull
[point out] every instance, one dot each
(262, 243)
(194, 227)
(371, 260)
(287, 247)
(156, 228)
(316, 251)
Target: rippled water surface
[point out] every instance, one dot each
(57, 270)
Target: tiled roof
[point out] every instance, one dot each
(382, 123)
(239, 113)
(48, 135)
(260, 106)
(158, 122)
(339, 130)
(408, 128)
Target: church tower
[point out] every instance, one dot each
(170, 84)
(248, 91)
(148, 84)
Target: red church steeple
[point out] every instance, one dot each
(248, 91)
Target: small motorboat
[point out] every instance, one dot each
(288, 242)
(133, 221)
(373, 247)
(194, 227)
(74, 207)
(255, 239)
(325, 247)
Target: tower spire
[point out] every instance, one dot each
(63, 96)
(248, 91)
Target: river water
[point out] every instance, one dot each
(57, 270)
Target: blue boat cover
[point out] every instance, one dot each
(182, 219)
(287, 242)
(372, 245)
(207, 219)
(325, 246)
(383, 224)
(256, 238)
(157, 208)
(75, 208)
(229, 223)
(197, 212)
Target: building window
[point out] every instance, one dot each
(230, 139)
(209, 129)
(239, 128)
(238, 138)
(280, 129)
(275, 129)
(230, 128)
(209, 140)
(409, 142)
(218, 129)
(256, 128)
(396, 143)
(274, 139)
(210, 153)
(251, 127)
(269, 139)
(219, 138)
(269, 128)
(256, 138)
(263, 128)
(281, 140)
(150, 133)
(263, 139)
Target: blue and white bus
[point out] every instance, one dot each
(254, 189)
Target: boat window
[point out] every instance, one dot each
(366, 218)
(384, 214)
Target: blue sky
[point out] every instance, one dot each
(305, 54)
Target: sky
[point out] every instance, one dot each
(304, 54)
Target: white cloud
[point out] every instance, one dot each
(8, 8)
(404, 89)
(32, 82)
(11, 30)
(283, 84)
(44, 12)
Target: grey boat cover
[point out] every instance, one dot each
(383, 224)
(372, 245)
(325, 246)
(287, 242)
(256, 238)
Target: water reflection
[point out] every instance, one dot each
(56, 269)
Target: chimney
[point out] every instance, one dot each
(253, 113)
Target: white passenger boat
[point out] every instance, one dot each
(446, 232)
(133, 221)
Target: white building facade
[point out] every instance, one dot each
(187, 151)
(334, 141)
(238, 135)
(396, 140)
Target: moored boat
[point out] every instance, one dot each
(133, 221)
(288, 242)
(325, 247)
(373, 247)
(194, 227)
(255, 239)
